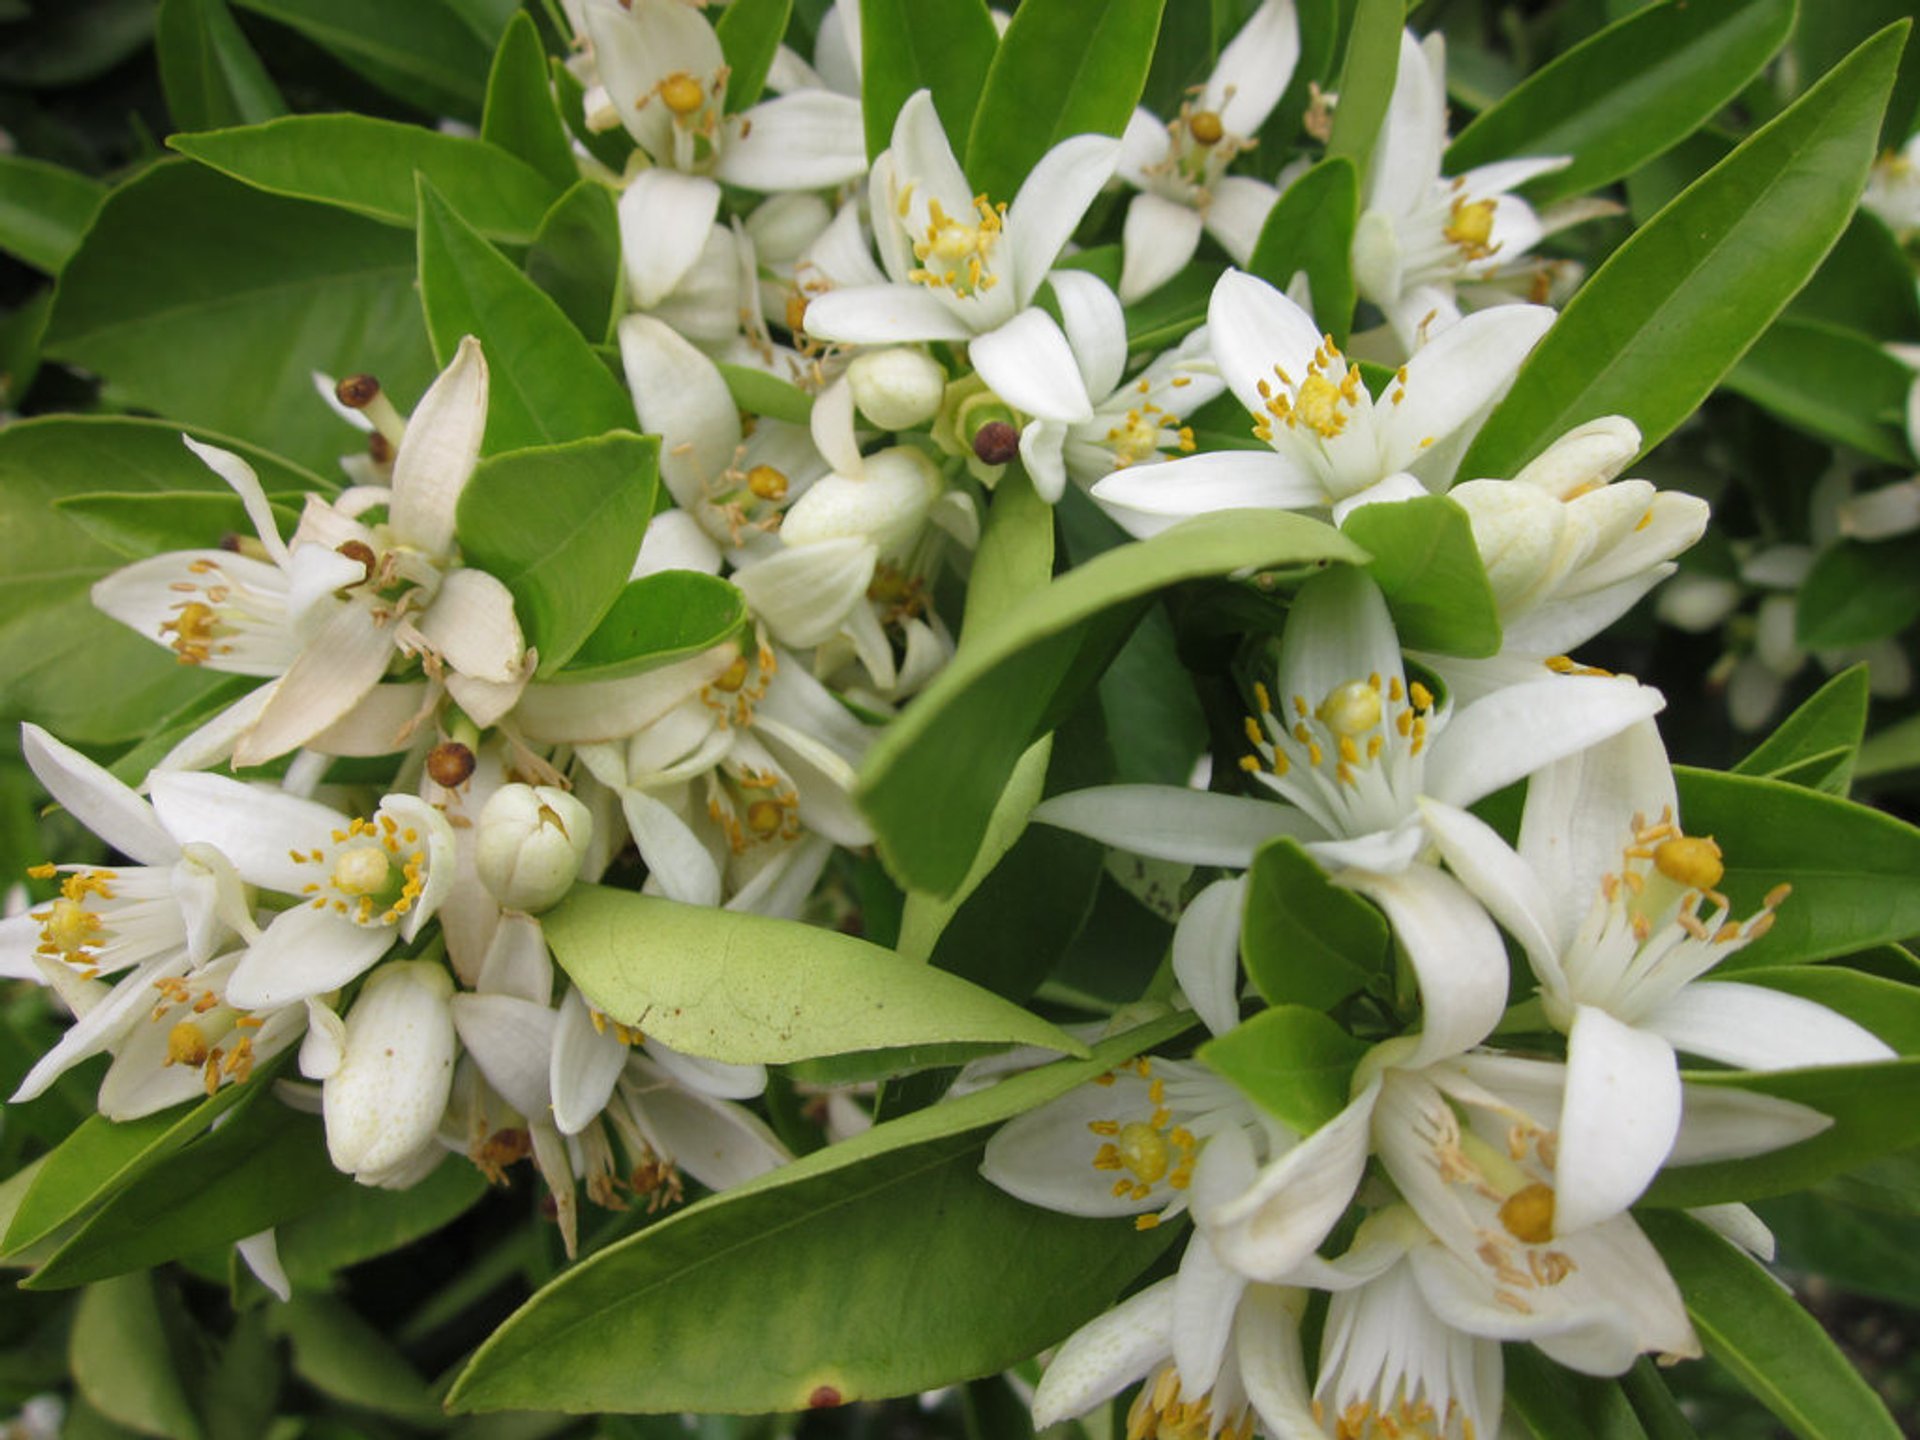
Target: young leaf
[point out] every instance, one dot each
(576, 259)
(559, 526)
(657, 619)
(931, 781)
(141, 524)
(1063, 68)
(546, 384)
(1426, 563)
(1310, 229)
(1292, 1060)
(1816, 745)
(1759, 1332)
(423, 55)
(908, 46)
(746, 988)
(749, 33)
(1858, 592)
(1303, 939)
(1367, 79)
(1836, 384)
(208, 71)
(521, 116)
(368, 166)
(759, 393)
(1623, 96)
(901, 1198)
(1674, 308)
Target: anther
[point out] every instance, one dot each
(450, 764)
(1690, 860)
(356, 392)
(362, 552)
(767, 483)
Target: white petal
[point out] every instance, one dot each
(1167, 822)
(1206, 1294)
(1457, 955)
(1514, 732)
(1739, 1224)
(1755, 1028)
(830, 423)
(665, 218)
(471, 625)
(1501, 881)
(1096, 328)
(804, 141)
(516, 962)
(101, 803)
(883, 315)
(1254, 327)
(675, 541)
(338, 667)
(237, 473)
(1455, 378)
(1106, 1355)
(257, 828)
(1029, 364)
(1618, 1121)
(1206, 953)
(674, 855)
(304, 952)
(1053, 197)
(1406, 156)
(439, 451)
(1239, 213)
(385, 1101)
(679, 393)
(1721, 1123)
(1042, 445)
(720, 1079)
(1255, 68)
(615, 709)
(1216, 480)
(512, 1041)
(804, 593)
(261, 1253)
(325, 1043)
(1157, 241)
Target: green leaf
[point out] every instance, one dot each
(139, 525)
(1891, 750)
(124, 1361)
(576, 259)
(1063, 68)
(1426, 563)
(368, 166)
(1310, 228)
(1865, 284)
(853, 1218)
(521, 117)
(89, 678)
(213, 304)
(1851, 868)
(1623, 96)
(559, 526)
(746, 988)
(362, 1223)
(1674, 308)
(932, 779)
(1558, 1404)
(341, 1355)
(1760, 1333)
(750, 32)
(1303, 939)
(1816, 745)
(422, 53)
(1859, 592)
(1367, 79)
(657, 619)
(1854, 1247)
(759, 393)
(545, 383)
(1292, 1060)
(1835, 384)
(908, 46)
(1167, 315)
(1875, 1111)
(208, 70)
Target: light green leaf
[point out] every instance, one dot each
(368, 166)
(1859, 592)
(931, 781)
(901, 1198)
(1891, 750)
(213, 304)
(1835, 384)
(1304, 940)
(1623, 96)
(1674, 308)
(759, 393)
(745, 988)
(341, 1355)
(907, 46)
(362, 1223)
(656, 619)
(1426, 563)
(1816, 745)
(421, 53)
(209, 72)
(1294, 1061)
(1758, 1331)
(750, 32)
(521, 116)
(559, 526)
(576, 259)
(123, 1360)
(545, 383)
(1063, 68)
(1311, 229)
(1367, 79)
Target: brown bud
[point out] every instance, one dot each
(450, 764)
(996, 442)
(356, 392)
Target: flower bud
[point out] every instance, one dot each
(384, 1099)
(887, 504)
(897, 388)
(1586, 456)
(531, 842)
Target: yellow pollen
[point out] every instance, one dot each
(193, 632)
(1421, 696)
(767, 482)
(1470, 226)
(1144, 1151)
(1205, 127)
(1350, 709)
(186, 1045)
(1317, 405)
(733, 677)
(1690, 860)
(69, 928)
(1527, 1214)
(764, 817)
(682, 94)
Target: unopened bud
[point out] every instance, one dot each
(531, 843)
(996, 442)
(356, 392)
(897, 388)
(887, 503)
(450, 764)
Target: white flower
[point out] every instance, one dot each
(387, 1087)
(1180, 166)
(897, 388)
(1331, 444)
(531, 844)
(1893, 189)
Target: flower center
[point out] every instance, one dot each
(70, 931)
(1205, 127)
(1690, 860)
(1352, 727)
(752, 806)
(1159, 1413)
(1148, 1151)
(767, 483)
(1144, 431)
(1323, 401)
(954, 255)
(682, 94)
(1666, 875)
(1527, 1214)
(375, 870)
(1470, 227)
(741, 686)
(186, 1045)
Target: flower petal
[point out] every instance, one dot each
(1754, 1028)
(1029, 364)
(1216, 480)
(1457, 955)
(438, 452)
(304, 952)
(883, 315)
(259, 829)
(1106, 1355)
(1254, 328)
(1053, 197)
(1206, 953)
(665, 218)
(99, 801)
(1096, 328)
(1167, 822)
(1514, 732)
(511, 1040)
(338, 667)
(679, 393)
(1239, 212)
(1618, 1119)
(804, 141)
(1455, 379)
(1157, 240)
(1254, 69)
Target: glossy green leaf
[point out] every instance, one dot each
(1620, 97)
(1890, 751)
(559, 526)
(1183, 56)
(745, 988)
(1854, 1247)
(545, 383)
(1865, 284)
(1851, 868)
(1887, 1008)
(68, 44)
(1555, 1403)
(759, 393)
(1426, 563)
(521, 116)
(1293, 1061)
(209, 72)
(368, 166)
(1674, 308)
(932, 779)
(1304, 940)
(123, 1360)
(86, 677)
(1367, 79)
(1311, 229)
(422, 53)
(1858, 592)
(1163, 318)
(1063, 68)
(576, 259)
(1816, 745)
(852, 1218)
(213, 304)
(1835, 384)
(908, 46)
(656, 619)
(1758, 1331)
(362, 1223)
(750, 32)
(1875, 1111)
